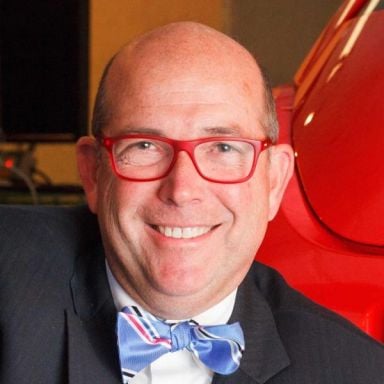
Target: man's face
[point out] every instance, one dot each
(226, 222)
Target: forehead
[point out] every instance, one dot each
(169, 92)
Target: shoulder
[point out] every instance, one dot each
(315, 335)
(37, 223)
(18, 217)
(40, 238)
(38, 249)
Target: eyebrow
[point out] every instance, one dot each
(212, 131)
(224, 131)
(142, 131)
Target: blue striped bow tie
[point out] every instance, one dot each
(143, 338)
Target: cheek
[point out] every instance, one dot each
(114, 193)
(118, 209)
(105, 190)
(112, 201)
(249, 207)
(121, 206)
(248, 202)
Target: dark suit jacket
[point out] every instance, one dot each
(57, 315)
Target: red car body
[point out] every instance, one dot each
(328, 237)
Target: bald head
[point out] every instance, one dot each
(180, 53)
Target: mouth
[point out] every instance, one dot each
(182, 232)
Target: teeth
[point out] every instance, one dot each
(183, 233)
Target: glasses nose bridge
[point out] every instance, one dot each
(185, 146)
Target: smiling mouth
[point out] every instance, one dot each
(182, 232)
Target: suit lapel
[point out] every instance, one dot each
(92, 358)
(92, 346)
(264, 355)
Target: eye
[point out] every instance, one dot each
(143, 145)
(132, 150)
(228, 147)
(136, 147)
(224, 147)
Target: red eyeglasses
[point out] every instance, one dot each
(224, 160)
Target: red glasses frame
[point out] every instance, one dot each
(187, 146)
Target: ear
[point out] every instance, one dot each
(87, 164)
(280, 171)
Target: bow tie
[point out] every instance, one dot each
(143, 338)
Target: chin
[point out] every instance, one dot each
(182, 284)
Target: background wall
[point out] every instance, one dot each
(280, 32)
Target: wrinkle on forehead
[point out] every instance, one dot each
(182, 58)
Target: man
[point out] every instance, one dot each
(183, 174)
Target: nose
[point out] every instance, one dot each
(183, 185)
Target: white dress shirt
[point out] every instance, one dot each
(181, 366)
